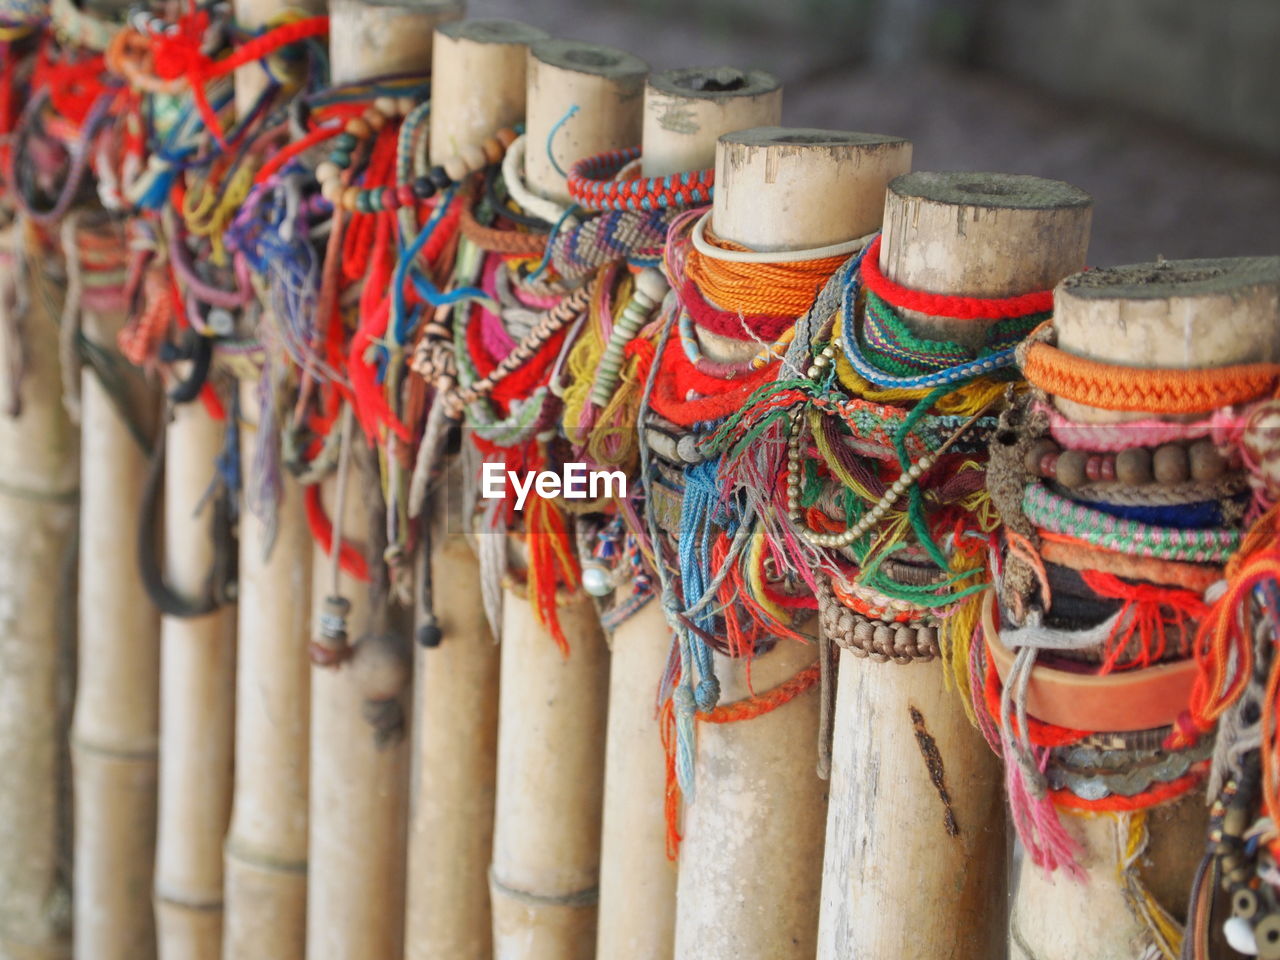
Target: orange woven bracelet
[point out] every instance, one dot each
(1141, 389)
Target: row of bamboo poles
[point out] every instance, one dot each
(231, 801)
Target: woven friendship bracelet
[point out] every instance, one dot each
(1108, 386)
(592, 186)
(881, 325)
(1060, 515)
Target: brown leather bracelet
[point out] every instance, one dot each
(1127, 700)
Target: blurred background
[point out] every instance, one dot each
(1167, 111)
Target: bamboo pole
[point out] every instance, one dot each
(39, 473)
(750, 865)
(359, 787)
(479, 72)
(266, 847)
(1179, 315)
(546, 844)
(928, 825)
(197, 702)
(685, 112)
(115, 730)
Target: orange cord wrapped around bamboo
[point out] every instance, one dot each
(786, 288)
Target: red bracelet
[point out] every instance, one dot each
(592, 186)
(941, 305)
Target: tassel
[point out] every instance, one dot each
(1146, 614)
(671, 796)
(552, 563)
(1034, 816)
(1223, 645)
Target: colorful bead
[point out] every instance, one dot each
(440, 178)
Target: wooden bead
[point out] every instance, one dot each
(1133, 466)
(506, 136)
(405, 105)
(1170, 464)
(1205, 462)
(358, 127)
(331, 190)
(380, 667)
(386, 106)
(350, 197)
(1071, 468)
(493, 150)
(376, 119)
(1037, 452)
(327, 170)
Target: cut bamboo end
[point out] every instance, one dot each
(783, 188)
(967, 234)
(606, 87)
(546, 843)
(687, 110)
(479, 77)
(384, 37)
